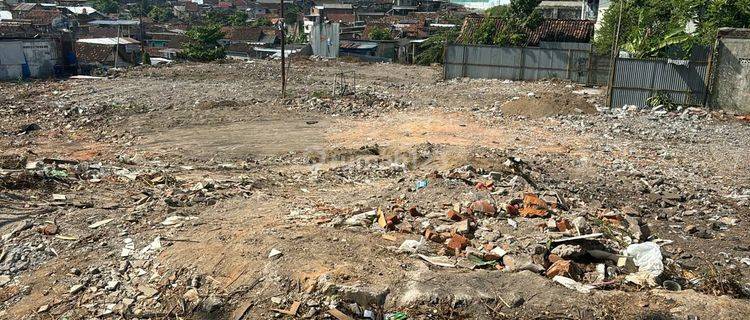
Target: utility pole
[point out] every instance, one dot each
(140, 26)
(117, 46)
(283, 59)
(615, 55)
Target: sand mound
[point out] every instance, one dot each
(548, 105)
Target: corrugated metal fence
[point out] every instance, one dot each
(638, 79)
(635, 79)
(524, 63)
(324, 39)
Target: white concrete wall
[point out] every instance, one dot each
(731, 87)
(41, 55)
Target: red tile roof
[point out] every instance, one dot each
(343, 17)
(557, 30)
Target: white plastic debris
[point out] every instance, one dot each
(152, 247)
(129, 247)
(647, 257)
(411, 246)
(274, 254)
(572, 284)
(513, 224)
(99, 223)
(369, 314)
(439, 261)
(498, 252)
(174, 220)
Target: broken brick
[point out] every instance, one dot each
(458, 242)
(453, 215)
(564, 225)
(484, 207)
(565, 268)
(533, 206)
(48, 229)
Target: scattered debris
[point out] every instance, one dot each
(274, 254)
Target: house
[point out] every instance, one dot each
(550, 30)
(256, 36)
(571, 9)
(188, 11)
(241, 4)
(272, 7)
(29, 58)
(39, 14)
(556, 9)
(83, 14)
(337, 12)
(362, 48)
(244, 41)
(404, 7)
(5, 15)
(164, 44)
(254, 10)
(74, 3)
(224, 5)
(106, 52)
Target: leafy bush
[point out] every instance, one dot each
(203, 44)
(434, 47)
(379, 33)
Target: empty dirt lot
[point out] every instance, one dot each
(194, 191)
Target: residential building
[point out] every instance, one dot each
(555, 9)
(337, 12)
(107, 52)
(38, 14)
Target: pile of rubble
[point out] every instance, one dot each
(510, 221)
(362, 103)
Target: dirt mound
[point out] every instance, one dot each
(547, 105)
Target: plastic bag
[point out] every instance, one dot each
(647, 256)
(411, 246)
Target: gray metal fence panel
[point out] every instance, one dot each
(324, 39)
(638, 79)
(476, 61)
(635, 79)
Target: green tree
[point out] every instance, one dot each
(648, 27)
(261, 22)
(379, 33)
(291, 13)
(433, 48)
(239, 19)
(657, 28)
(203, 43)
(216, 17)
(721, 13)
(160, 14)
(508, 24)
(146, 59)
(140, 8)
(106, 6)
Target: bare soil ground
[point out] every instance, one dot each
(162, 192)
